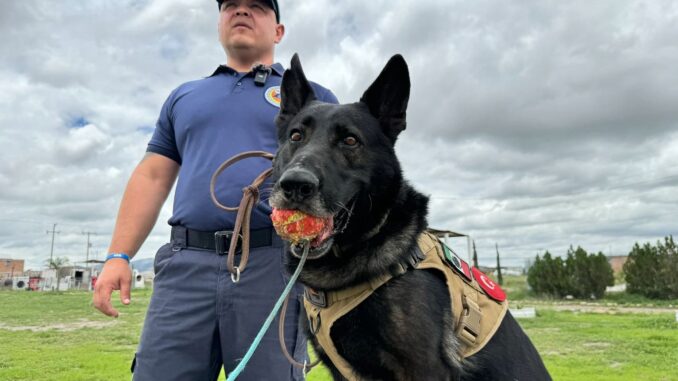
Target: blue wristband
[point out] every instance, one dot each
(117, 255)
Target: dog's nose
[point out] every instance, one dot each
(299, 184)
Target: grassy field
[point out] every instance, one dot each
(58, 336)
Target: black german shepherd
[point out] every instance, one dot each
(339, 161)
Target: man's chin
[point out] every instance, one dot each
(241, 43)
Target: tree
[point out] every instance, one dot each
(561, 280)
(668, 271)
(475, 255)
(533, 276)
(549, 270)
(579, 272)
(500, 278)
(641, 270)
(580, 275)
(601, 274)
(57, 264)
(652, 271)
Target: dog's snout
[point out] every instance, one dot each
(299, 184)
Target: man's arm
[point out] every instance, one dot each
(144, 196)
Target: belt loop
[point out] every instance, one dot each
(179, 238)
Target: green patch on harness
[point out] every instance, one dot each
(457, 263)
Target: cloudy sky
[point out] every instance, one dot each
(533, 124)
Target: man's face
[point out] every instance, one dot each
(248, 27)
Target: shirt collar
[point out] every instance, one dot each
(276, 68)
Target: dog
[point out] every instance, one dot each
(338, 162)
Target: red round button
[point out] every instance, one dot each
(491, 289)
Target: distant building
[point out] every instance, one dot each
(11, 267)
(75, 277)
(617, 262)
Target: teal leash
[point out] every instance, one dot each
(267, 324)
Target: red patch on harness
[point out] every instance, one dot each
(491, 289)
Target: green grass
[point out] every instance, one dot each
(592, 347)
(59, 336)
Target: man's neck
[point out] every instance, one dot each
(244, 65)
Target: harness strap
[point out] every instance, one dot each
(468, 324)
(476, 316)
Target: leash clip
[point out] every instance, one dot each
(235, 278)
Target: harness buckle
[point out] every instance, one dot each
(317, 298)
(222, 241)
(314, 324)
(469, 323)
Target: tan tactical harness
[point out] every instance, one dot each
(476, 316)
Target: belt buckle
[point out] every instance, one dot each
(222, 241)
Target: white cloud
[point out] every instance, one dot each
(532, 124)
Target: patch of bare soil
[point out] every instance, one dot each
(609, 309)
(63, 327)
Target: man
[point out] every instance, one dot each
(198, 317)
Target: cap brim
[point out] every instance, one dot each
(273, 4)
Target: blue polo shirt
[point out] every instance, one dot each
(207, 121)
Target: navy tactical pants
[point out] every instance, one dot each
(198, 319)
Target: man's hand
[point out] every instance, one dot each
(116, 275)
(145, 193)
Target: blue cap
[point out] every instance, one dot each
(271, 3)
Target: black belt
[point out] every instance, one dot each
(218, 241)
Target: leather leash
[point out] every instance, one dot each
(283, 347)
(250, 196)
(242, 230)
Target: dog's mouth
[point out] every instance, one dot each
(299, 228)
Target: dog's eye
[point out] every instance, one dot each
(351, 141)
(296, 136)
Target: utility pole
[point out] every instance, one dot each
(88, 234)
(89, 280)
(51, 251)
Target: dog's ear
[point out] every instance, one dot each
(388, 95)
(295, 91)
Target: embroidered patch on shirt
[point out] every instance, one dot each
(272, 95)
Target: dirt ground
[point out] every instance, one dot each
(64, 327)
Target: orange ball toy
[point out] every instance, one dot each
(296, 226)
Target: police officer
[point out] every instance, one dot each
(198, 318)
